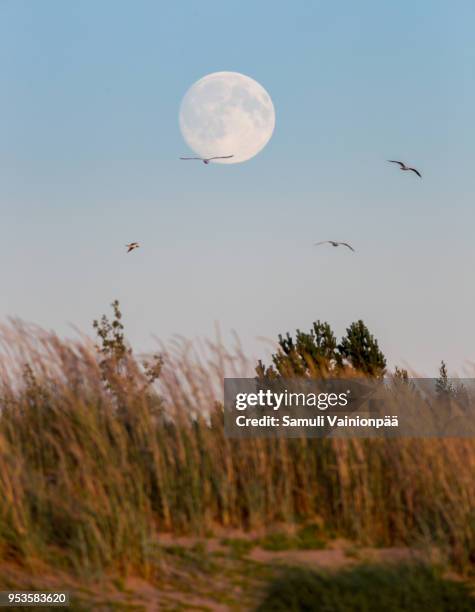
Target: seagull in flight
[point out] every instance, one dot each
(335, 243)
(206, 160)
(131, 246)
(404, 167)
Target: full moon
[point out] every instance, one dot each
(227, 113)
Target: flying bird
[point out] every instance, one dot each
(335, 243)
(404, 167)
(131, 246)
(206, 160)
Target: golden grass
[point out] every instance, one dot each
(89, 476)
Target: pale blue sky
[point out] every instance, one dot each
(90, 92)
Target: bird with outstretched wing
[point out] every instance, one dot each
(206, 160)
(335, 244)
(404, 167)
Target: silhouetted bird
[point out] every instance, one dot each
(206, 160)
(131, 246)
(334, 243)
(404, 167)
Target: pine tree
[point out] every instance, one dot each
(316, 354)
(444, 388)
(312, 354)
(359, 348)
(401, 375)
(447, 390)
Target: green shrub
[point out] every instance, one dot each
(401, 588)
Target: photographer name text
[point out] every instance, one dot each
(321, 401)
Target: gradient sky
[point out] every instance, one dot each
(89, 141)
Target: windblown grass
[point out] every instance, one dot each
(89, 474)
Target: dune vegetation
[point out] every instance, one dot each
(101, 451)
(400, 588)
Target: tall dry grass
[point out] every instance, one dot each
(90, 475)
